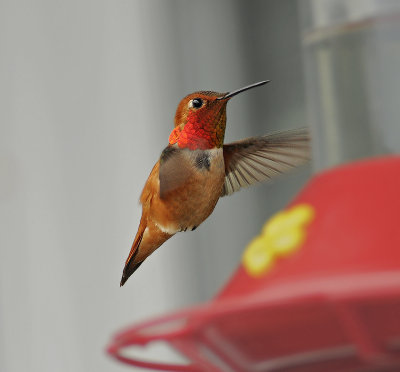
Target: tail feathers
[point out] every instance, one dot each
(129, 269)
(130, 265)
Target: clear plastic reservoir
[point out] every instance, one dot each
(352, 67)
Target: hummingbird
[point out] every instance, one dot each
(197, 168)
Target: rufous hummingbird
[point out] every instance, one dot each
(197, 168)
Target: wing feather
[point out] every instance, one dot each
(174, 170)
(259, 158)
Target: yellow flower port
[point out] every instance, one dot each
(282, 235)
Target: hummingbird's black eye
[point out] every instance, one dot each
(197, 102)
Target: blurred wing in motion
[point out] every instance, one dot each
(259, 158)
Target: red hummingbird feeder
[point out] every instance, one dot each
(318, 290)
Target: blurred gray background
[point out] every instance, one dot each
(88, 92)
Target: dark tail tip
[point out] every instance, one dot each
(123, 280)
(129, 269)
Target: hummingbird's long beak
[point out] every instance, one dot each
(231, 94)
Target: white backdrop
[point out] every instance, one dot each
(88, 90)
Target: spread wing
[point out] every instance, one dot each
(259, 158)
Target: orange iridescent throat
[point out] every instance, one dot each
(202, 131)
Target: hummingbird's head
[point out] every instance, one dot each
(200, 119)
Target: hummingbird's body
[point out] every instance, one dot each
(196, 169)
(179, 209)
